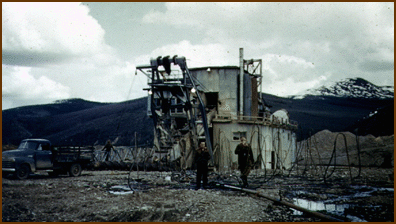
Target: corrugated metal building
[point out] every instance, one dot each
(272, 136)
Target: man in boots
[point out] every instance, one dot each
(245, 159)
(202, 157)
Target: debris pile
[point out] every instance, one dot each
(91, 197)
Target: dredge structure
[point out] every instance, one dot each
(218, 105)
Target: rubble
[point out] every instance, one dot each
(88, 198)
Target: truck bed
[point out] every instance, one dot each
(70, 154)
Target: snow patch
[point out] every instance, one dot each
(351, 88)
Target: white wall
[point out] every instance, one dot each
(263, 138)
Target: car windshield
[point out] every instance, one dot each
(28, 145)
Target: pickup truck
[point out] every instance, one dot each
(38, 154)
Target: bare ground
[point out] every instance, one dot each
(93, 197)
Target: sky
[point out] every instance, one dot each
(63, 50)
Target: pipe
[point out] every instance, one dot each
(241, 74)
(316, 214)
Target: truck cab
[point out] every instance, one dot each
(31, 155)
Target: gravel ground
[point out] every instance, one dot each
(101, 196)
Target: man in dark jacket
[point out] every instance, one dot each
(202, 157)
(245, 159)
(108, 147)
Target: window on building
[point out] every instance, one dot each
(236, 136)
(211, 99)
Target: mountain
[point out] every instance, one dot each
(81, 122)
(379, 122)
(316, 113)
(352, 88)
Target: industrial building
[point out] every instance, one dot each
(218, 105)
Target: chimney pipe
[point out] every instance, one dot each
(241, 75)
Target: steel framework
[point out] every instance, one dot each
(176, 107)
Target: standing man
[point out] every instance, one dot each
(108, 148)
(245, 159)
(202, 157)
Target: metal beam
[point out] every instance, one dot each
(204, 119)
(241, 75)
(316, 214)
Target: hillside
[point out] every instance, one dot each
(80, 122)
(316, 113)
(352, 104)
(84, 123)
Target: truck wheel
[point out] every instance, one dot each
(75, 170)
(22, 172)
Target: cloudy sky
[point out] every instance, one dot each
(53, 51)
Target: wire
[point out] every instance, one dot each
(125, 105)
(334, 155)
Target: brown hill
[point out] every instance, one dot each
(326, 147)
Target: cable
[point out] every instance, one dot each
(334, 155)
(125, 107)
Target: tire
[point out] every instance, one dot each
(75, 170)
(22, 172)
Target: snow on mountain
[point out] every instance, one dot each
(352, 88)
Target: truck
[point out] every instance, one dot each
(33, 155)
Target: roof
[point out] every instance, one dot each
(36, 140)
(214, 67)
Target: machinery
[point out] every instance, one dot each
(218, 105)
(177, 109)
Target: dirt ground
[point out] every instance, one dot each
(101, 196)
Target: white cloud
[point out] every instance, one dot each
(198, 55)
(55, 51)
(18, 84)
(114, 83)
(203, 14)
(303, 45)
(286, 75)
(276, 19)
(289, 86)
(283, 74)
(49, 32)
(283, 28)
